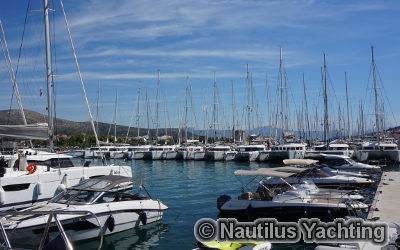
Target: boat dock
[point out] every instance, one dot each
(385, 206)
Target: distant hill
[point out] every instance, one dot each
(67, 127)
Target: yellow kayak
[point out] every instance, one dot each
(234, 246)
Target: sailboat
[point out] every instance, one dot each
(379, 147)
(286, 148)
(327, 146)
(30, 176)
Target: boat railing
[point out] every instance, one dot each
(53, 218)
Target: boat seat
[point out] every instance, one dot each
(246, 196)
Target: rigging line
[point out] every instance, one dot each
(80, 75)
(386, 95)
(22, 39)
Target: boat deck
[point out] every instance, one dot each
(385, 206)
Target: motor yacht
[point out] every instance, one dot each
(33, 177)
(109, 198)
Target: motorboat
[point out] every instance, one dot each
(321, 177)
(33, 177)
(342, 162)
(249, 152)
(110, 200)
(286, 204)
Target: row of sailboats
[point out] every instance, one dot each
(283, 145)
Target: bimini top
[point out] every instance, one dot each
(280, 172)
(299, 162)
(103, 183)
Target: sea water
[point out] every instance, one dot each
(190, 190)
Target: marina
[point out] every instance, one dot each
(171, 147)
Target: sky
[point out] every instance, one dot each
(121, 45)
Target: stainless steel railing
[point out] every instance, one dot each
(53, 217)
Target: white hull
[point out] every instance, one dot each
(117, 155)
(247, 156)
(157, 155)
(126, 216)
(199, 156)
(215, 155)
(229, 155)
(279, 155)
(171, 155)
(26, 190)
(365, 155)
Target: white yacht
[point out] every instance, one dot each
(191, 152)
(97, 152)
(284, 151)
(159, 152)
(217, 152)
(333, 148)
(386, 149)
(109, 198)
(35, 176)
(137, 152)
(249, 152)
(118, 152)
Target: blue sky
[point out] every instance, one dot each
(122, 44)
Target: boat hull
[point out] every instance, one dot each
(366, 155)
(86, 227)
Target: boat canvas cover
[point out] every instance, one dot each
(299, 161)
(38, 131)
(263, 172)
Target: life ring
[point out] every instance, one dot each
(31, 168)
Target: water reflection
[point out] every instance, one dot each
(144, 237)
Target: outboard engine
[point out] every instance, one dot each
(222, 200)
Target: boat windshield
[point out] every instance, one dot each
(76, 197)
(351, 161)
(325, 172)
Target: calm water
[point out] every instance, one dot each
(190, 189)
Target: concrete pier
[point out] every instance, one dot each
(386, 204)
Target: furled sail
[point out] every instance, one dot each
(37, 131)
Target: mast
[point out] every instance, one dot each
(215, 107)
(49, 75)
(268, 116)
(115, 116)
(306, 111)
(248, 102)
(233, 115)
(282, 85)
(376, 103)
(325, 88)
(97, 107)
(347, 107)
(186, 108)
(138, 114)
(157, 104)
